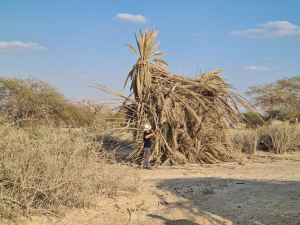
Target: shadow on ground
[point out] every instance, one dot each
(230, 201)
(173, 222)
(120, 147)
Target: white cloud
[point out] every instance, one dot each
(72, 70)
(271, 29)
(284, 25)
(87, 77)
(270, 58)
(130, 18)
(252, 33)
(19, 46)
(258, 68)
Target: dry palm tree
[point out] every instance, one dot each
(193, 111)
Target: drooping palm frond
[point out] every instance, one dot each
(160, 61)
(132, 49)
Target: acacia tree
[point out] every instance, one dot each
(280, 99)
(31, 102)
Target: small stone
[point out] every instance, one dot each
(116, 206)
(46, 220)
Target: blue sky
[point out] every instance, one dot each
(70, 42)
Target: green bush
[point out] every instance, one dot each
(252, 119)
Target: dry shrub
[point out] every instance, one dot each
(279, 138)
(276, 138)
(246, 141)
(47, 169)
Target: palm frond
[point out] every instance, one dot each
(142, 44)
(130, 74)
(151, 37)
(132, 49)
(155, 47)
(137, 42)
(150, 43)
(160, 61)
(158, 53)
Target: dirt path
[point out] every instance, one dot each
(261, 189)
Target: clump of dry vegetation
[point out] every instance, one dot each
(246, 141)
(279, 138)
(46, 169)
(195, 112)
(275, 138)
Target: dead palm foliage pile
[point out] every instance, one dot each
(194, 111)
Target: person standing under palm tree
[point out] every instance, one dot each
(147, 144)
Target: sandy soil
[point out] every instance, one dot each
(260, 189)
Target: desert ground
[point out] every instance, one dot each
(259, 189)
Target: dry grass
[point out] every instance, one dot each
(280, 138)
(45, 170)
(246, 141)
(275, 138)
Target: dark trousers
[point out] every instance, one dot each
(147, 156)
